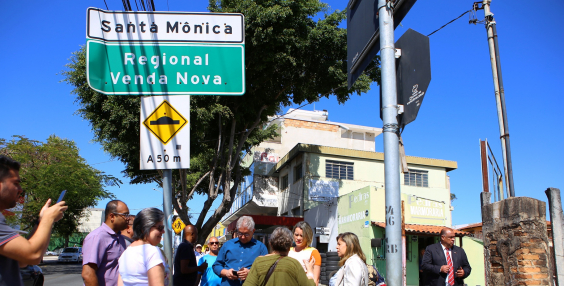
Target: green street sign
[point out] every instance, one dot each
(166, 68)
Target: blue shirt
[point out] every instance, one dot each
(208, 277)
(235, 255)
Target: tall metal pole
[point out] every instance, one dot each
(391, 145)
(557, 220)
(167, 207)
(499, 96)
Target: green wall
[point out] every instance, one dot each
(474, 249)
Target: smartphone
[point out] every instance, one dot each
(235, 273)
(61, 196)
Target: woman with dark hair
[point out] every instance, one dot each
(143, 263)
(303, 235)
(353, 271)
(276, 269)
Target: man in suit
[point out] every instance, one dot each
(445, 263)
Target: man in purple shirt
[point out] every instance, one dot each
(103, 246)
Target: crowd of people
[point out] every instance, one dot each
(124, 251)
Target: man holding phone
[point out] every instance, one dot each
(235, 258)
(16, 251)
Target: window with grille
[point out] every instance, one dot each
(416, 178)
(298, 174)
(284, 183)
(339, 170)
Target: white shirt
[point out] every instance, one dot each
(136, 261)
(445, 250)
(353, 273)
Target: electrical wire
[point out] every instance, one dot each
(449, 22)
(107, 5)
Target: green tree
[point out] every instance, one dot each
(290, 58)
(47, 168)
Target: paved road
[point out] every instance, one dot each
(61, 274)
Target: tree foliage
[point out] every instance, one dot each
(290, 58)
(47, 168)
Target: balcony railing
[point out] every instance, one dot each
(240, 200)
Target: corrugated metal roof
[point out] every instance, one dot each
(378, 156)
(423, 229)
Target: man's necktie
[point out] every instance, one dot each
(451, 271)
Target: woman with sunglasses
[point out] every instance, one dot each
(303, 235)
(353, 271)
(143, 263)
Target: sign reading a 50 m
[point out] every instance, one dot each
(165, 53)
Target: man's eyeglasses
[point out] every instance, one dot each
(125, 215)
(244, 234)
(160, 227)
(213, 242)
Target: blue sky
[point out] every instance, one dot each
(459, 108)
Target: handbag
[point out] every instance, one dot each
(271, 270)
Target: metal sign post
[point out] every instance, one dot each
(391, 145)
(167, 208)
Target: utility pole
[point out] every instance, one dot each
(167, 208)
(394, 247)
(499, 93)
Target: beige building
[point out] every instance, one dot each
(314, 160)
(94, 217)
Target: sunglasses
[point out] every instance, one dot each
(213, 242)
(159, 228)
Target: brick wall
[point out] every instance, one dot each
(516, 242)
(310, 125)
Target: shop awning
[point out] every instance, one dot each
(267, 220)
(423, 229)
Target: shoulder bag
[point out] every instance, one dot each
(271, 270)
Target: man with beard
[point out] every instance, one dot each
(103, 247)
(16, 251)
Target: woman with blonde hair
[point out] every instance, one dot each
(353, 271)
(303, 235)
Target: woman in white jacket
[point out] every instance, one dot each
(353, 271)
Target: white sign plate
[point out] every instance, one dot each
(165, 132)
(141, 26)
(322, 230)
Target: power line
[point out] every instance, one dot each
(449, 22)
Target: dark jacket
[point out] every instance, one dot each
(434, 258)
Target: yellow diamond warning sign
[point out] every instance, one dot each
(165, 122)
(178, 225)
(164, 132)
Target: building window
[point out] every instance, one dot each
(339, 170)
(416, 178)
(284, 183)
(298, 174)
